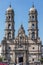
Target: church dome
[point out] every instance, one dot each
(9, 9)
(32, 9)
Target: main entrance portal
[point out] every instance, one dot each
(20, 59)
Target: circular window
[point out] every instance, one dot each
(33, 48)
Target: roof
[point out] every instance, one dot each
(9, 8)
(33, 9)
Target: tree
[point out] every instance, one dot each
(1, 59)
(41, 60)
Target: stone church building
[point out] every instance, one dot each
(22, 48)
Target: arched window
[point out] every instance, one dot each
(33, 59)
(9, 26)
(9, 35)
(6, 17)
(32, 18)
(20, 36)
(9, 47)
(10, 18)
(33, 26)
(33, 35)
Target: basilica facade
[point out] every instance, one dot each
(22, 48)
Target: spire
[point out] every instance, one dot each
(21, 26)
(21, 29)
(33, 5)
(10, 4)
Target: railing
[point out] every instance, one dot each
(20, 48)
(22, 63)
(34, 52)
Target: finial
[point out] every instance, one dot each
(21, 26)
(33, 5)
(10, 4)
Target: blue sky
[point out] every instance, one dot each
(21, 9)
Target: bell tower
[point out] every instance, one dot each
(33, 23)
(9, 29)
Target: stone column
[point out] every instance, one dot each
(24, 58)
